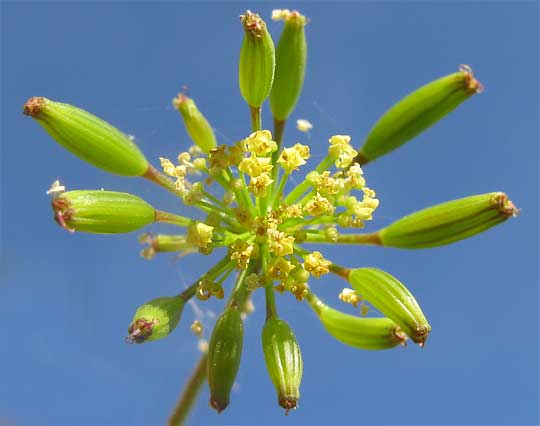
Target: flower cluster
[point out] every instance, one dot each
(260, 221)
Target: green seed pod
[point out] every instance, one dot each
(257, 60)
(88, 137)
(291, 54)
(417, 112)
(155, 319)
(102, 212)
(362, 333)
(224, 353)
(283, 361)
(448, 222)
(197, 126)
(393, 299)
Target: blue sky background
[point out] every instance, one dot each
(66, 300)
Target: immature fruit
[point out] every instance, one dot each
(257, 60)
(102, 212)
(224, 353)
(393, 299)
(88, 137)
(448, 222)
(418, 111)
(291, 54)
(283, 361)
(155, 319)
(197, 125)
(362, 333)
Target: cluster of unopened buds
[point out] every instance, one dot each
(264, 225)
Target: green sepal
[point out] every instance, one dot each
(102, 212)
(448, 222)
(88, 137)
(155, 319)
(197, 126)
(224, 354)
(418, 111)
(283, 361)
(257, 60)
(393, 299)
(359, 332)
(291, 55)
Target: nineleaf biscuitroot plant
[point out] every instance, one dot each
(265, 227)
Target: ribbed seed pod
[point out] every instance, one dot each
(257, 60)
(197, 126)
(418, 111)
(155, 319)
(291, 54)
(88, 137)
(448, 222)
(283, 361)
(102, 212)
(224, 353)
(393, 299)
(359, 332)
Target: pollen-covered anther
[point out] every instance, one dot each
(325, 184)
(197, 328)
(341, 150)
(207, 288)
(350, 296)
(316, 264)
(318, 205)
(292, 158)
(280, 243)
(241, 251)
(303, 125)
(218, 158)
(260, 143)
(255, 166)
(258, 185)
(280, 268)
(199, 234)
(293, 211)
(355, 177)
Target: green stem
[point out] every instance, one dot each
(271, 309)
(369, 239)
(281, 187)
(189, 394)
(216, 200)
(175, 219)
(279, 129)
(256, 123)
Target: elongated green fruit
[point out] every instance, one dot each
(393, 299)
(224, 353)
(291, 54)
(155, 319)
(417, 112)
(197, 126)
(102, 212)
(257, 60)
(88, 137)
(283, 361)
(448, 222)
(359, 332)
